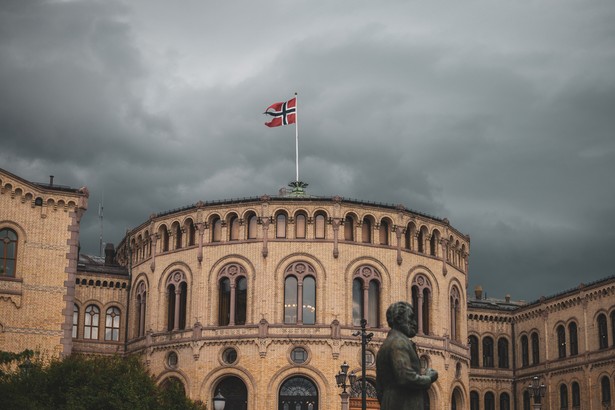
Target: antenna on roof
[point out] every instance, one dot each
(100, 219)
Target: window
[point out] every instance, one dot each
(561, 341)
(297, 393)
(455, 309)
(8, 252)
(573, 337)
(280, 226)
(366, 296)
(90, 326)
(474, 401)
(503, 353)
(525, 356)
(141, 302)
(504, 401)
(300, 226)
(75, 320)
(172, 360)
(489, 401)
(473, 340)
(233, 295)
(613, 325)
(229, 356)
(164, 238)
(177, 231)
(300, 291)
(299, 355)
(526, 400)
(433, 243)
(252, 225)
(421, 300)
(319, 226)
(605, 390)
(234, 224)
(384, 232)
(487, 352)
(535, 349)
(216, 231)
(233, 389)
(370, 358)
(563, 396)
(409, 235)
(177, 297)
(421, 239)
(112, 324)
(349, 228)
(603, 336)
(366, 230)
(191, 229)
(576, 396)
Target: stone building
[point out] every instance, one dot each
(39, 237)
(261, 298)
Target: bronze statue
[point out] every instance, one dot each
(399, 383)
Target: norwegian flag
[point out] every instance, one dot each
(283, 113)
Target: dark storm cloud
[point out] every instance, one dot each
(497, 116)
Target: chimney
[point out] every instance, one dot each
(507, 297)
(478, 292)
(50, 180)
(109, 254)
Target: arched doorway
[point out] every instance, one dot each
(370, 394)
(298, 393)
(234, 391)
(456, 399)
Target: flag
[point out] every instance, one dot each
(283, 113)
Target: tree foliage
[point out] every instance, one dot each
(84, 382)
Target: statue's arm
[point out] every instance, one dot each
(405, 373)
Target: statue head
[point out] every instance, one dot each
(400, 316)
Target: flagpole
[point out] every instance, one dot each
(297, 136)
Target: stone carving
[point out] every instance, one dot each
(399, 383)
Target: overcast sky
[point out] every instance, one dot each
(498, 115)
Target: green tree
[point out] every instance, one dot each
(84, 382)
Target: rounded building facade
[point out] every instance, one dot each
(260, 299)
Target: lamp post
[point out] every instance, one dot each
(219, 401)
(365, 339)
(537, 390)
(341, 378)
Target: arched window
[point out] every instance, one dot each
(164, 238)
(487, 351)
(433, 243)
(384, 232)
(456, 399)
(603, 336)
(489, 401)
(8, 252)
(526, 400)
(366, 296)
(421, 239)
(525, 355)
(319, 226)
(216, 229)
(474, 400)
(91, 320)
(300, 226)
(173, 383)
(191, 229)
(535, 349)
(576, 396)
(561, 341)
(503, 353)
(141, 303)
(112, 324)
(300, 291)
(298, 393)
(613, 325)
(280, 225)
(504, 401)
(366, 230)
(455, 311)
(563, 396)
(233, 295)
(605, 390)
(473, 340)
(234, 225)
(177, 231)
(573, 337)
(234, 391)
(356, 390)
(75, 320)
(349, 228)
(421, 301)
(408, 236)
(177, 298)
(252, 226)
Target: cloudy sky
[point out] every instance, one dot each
(498, 115)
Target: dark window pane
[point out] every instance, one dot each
(290, 300)
(309, 301)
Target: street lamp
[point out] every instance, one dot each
(365, 339)
(341, 378)
(219, 401)
(537, 389)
